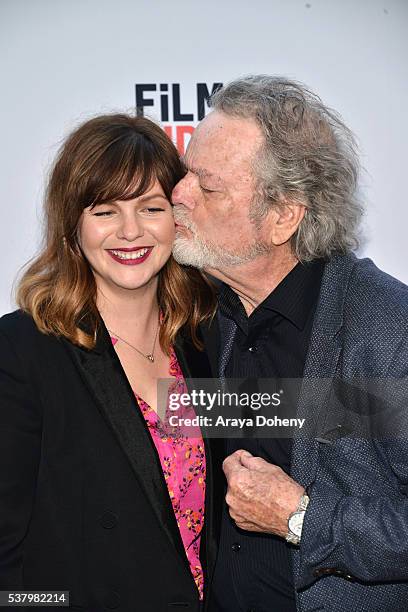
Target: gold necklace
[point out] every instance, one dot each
(149, 356)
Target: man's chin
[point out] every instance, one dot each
(191, 252)
(185, 253)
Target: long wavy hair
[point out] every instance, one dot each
(99, 162)
(309, 156)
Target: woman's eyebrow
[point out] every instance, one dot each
(108, 203)
(152, 196)
(140, 200)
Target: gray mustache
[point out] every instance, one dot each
(181, 217)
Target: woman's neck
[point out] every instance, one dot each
(131, 313)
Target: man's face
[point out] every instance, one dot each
(212, 202)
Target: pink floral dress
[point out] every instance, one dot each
(182, 459)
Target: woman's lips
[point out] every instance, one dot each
(130, 257)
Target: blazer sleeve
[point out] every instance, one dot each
(363, 537)
(20, 444)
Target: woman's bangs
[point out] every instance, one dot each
(122, 173)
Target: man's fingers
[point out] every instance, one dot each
(238, 518)
(257, 463)
(251, 462)
(243, 454)
(247, 526)
(231, 463)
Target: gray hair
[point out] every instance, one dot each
(309, 156)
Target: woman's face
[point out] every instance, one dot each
(127, 242)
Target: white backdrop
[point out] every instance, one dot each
(64, 60)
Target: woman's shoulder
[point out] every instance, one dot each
(21, 342)
(19, 329)
(17, 323)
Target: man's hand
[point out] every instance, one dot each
(260, 495)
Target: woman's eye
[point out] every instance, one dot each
(103, 213)
(153, 210)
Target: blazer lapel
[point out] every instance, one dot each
(103, 374)
(195, 365)
(219, 353)
(211, 337)
(228, 330)
(322, 358)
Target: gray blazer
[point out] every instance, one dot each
(353, 555)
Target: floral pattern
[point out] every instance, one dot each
(182, 457)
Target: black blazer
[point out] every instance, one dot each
(83, 502)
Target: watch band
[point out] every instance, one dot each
(295, 531)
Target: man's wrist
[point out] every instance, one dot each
(295, 521)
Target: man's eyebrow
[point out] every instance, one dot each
(200, 172)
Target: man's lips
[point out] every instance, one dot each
(130, 256)
(182, 228)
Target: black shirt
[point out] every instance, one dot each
(255, 569)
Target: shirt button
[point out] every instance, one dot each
(108, 520)
(236, 547)
(252, 349)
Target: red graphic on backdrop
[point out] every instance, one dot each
(178, 125)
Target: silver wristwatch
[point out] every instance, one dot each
(295, 521)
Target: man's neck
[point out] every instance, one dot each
(255, 280)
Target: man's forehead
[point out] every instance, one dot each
(200, 171)
(223, 136)
(220, 140)
(220, 125)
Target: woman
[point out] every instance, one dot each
(94, 498)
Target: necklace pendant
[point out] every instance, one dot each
(150, 358)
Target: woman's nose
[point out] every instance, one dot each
(131, 227)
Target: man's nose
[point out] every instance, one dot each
(183, 193)
(131, 227)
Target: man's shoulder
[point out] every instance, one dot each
(371, 307)
(377, 292)
(363, 288)
(366, 269)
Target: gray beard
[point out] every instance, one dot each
(196, 252)
(199, 254)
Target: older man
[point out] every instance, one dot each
(268, 206)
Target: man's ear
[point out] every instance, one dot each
(284, 220)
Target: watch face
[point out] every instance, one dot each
(296, 522)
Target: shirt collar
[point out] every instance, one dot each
(294, 297)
